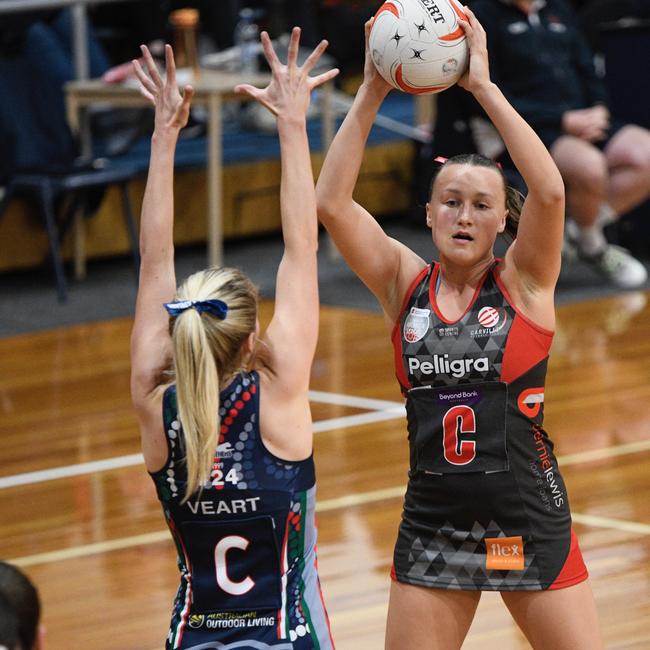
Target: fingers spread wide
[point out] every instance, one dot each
(323, 78)
(269, 52)
(147, 87)
(313, 58)
(152, 69)
(170, 65)
(294, 44)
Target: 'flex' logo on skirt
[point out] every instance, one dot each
(504, 554)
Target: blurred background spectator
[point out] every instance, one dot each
(538, 56)
(35, 61)
(544, 65)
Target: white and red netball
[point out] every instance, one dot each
(418, 46)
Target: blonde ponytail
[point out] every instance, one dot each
(207, 350)
(197, 389)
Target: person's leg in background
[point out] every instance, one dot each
(600, 187)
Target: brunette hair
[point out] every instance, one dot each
(514, 198)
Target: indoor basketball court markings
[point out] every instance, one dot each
(376, 410)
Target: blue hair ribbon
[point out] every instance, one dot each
(216, 308)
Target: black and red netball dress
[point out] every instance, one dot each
(486, 507)
(246, 543)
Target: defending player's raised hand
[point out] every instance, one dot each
(289, 90)
(172, 108)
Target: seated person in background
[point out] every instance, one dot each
(35, 61)
(540, 60)
(18, 597)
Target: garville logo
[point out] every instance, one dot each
(490, 320)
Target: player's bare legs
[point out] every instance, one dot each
(420, 618)
(562, 619)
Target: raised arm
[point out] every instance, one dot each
(533, 260)
(151, 351)
(293, 331)
(377, 259)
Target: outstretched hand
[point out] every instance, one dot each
(172, 108)
(289, 90)
(478, 72)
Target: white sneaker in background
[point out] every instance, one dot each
(618, 266)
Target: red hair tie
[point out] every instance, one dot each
(442, 160)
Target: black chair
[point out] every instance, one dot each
(60, 194)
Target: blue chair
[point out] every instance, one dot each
(39, 153)
(77, 185)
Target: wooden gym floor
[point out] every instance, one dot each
(79, 513)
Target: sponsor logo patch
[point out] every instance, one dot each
(196, 620)
(490, 321)
(504, 553)
(225, 450)
(530, 401)
(416, 324)
(442, 365)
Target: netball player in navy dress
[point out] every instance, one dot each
(485, 507)
(228, 442)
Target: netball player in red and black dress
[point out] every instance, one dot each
(228, 441)
(485, 507)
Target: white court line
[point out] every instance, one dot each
(606, 522)
(397, 413)
(353, 400)
(603, 453)
(66, 471)
(325, 505)
(130, 460)
(387, 411)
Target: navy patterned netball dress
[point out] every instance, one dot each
(246, 543)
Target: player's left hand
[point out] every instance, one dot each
(172, 108)
(478, 72)
(288, 93)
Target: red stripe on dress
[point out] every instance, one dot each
(574, 570)
(320, 593)
(528, 343)
(525, 348)
(284, 573)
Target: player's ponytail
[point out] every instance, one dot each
(208, 350)
(514, 204)
(197, 388)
